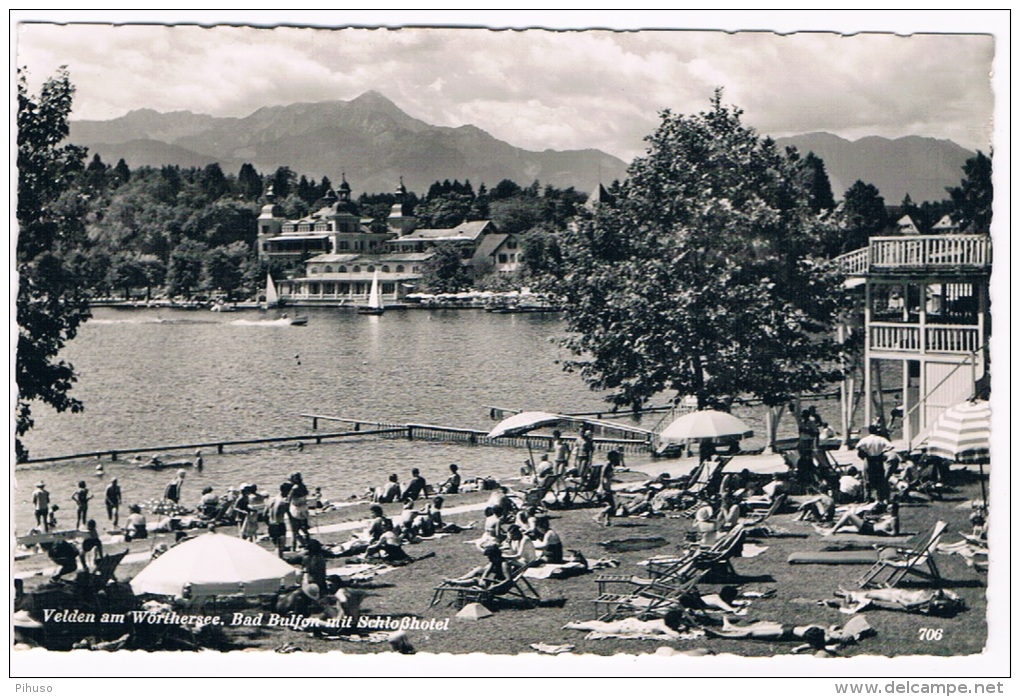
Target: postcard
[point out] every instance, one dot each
(528, 346)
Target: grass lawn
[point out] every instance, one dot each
(407, 591)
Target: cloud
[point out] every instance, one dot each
(536, 89)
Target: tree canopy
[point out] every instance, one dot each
(972, 200)
(51, 302)
(700, 279)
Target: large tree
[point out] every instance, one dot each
(863, 216)
(444, 271)
(700, 279)
(51, 302)
(972, 200)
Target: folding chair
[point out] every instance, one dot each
(759, 517)
(704, 483)
(889, 572)
(517, 586)
(536, 495)
(587, 488)
(651, 598)
(104, 567)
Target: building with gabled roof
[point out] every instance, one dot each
(945, 226)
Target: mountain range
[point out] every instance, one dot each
(374, 143)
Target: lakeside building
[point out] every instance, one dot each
(340, 252)
(926, 307)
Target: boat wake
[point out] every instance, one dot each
(145, 320)
(282, 322)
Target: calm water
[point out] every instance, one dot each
(155, 377)
(161, 377)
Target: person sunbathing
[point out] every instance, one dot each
(871, 519)
(496, 576)
(821, 508)
(493, 534)
(520, 548)
(729, 513)
(704, 525)
(548, 542)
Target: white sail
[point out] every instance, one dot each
(272, 299)
(374, 296)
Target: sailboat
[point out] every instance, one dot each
(375, 304)
(272, 299)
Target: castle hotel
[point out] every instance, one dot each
(341, 252)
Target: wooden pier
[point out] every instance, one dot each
(431, 432)
(218, 445)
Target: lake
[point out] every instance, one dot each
(152, 377)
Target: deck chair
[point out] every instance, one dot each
(760, 516)
(517, 586)
(536, 495)
(669, 583)
(651, 597)
(103, 570)
(703, 485)
(918, 561)
(587, 487)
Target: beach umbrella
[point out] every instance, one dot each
(525, 421)
(707, 423)
(962, 433)
(214, 564)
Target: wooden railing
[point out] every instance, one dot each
(855, 263)
(917, 252)
(951, 339)
(937, 338)
(895, 337)
(930, 250)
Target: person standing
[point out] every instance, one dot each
(276, 517)
(297, 500)
(112, 499)
(172, 493)
(561, 453)
(873, 448)
(199, 462)
(587, 448)
(41, 502)
(81, 499)
(807, 442)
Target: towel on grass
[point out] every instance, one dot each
(633, 628)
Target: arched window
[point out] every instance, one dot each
(342, 269)
(371, 269)
(357, 269)
(400, 268)
(385, 269)
(328, 269)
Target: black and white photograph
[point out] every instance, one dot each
(551, 343)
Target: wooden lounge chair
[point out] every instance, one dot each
(704, 484)
(104, 567)
(536, 495)
(919, 561)
(669, 583)
(587, 487)
(759, 517)
(517, 586)
(650, 598)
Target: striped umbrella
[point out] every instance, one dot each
(962, 433)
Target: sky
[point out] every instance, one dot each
(539, 89)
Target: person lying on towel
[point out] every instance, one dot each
(870, 519)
